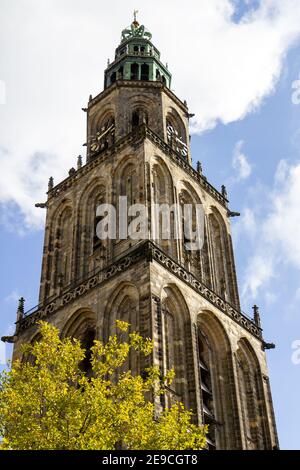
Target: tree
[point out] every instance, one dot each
(48, 402)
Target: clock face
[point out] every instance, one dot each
(101, 139)
(176, 141)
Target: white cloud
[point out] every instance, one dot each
(277, 240)
(240, 162)
(56, 52)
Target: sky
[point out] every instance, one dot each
(237, 63)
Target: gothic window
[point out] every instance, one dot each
(251, 397)
(82, 326)
(175, 342)
(191, 258)
(139, 116)
(129, 184)
(135, 119)
(218, 253)
(135, 48)
(64, 248)
(134, 72)
(123, 305)
(206, 389)
(100, 199)
(120, 73)
(163, 195)
(145, 72)
(87, 341)
(113, 77)
(91, 244)
(223, 276)
(163, 79)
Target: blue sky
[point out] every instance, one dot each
(235, 62)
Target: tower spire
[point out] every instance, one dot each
(135, 12)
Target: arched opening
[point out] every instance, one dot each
(139, 116)
(64, 244)
(165, 222)
(177, 347)
(163, 79)
(82, 326)
(120, 73)
(216, 383)
(135, 121)
(124, 306)
(134, 75)
(135, 48)
(92, 251)
(113, 77)
(145, 72)
(191, 231)
(224, 280)
(251, 397)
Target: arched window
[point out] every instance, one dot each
(87, 341)
(163, 79)
(217, 384)
(82, 326)
(120, 73)
(135, 119)
(64, 248)
(145, 72)
(113, 77)
(223, 275)
(251, 397)
(123, 305)
(129, 184)
(189, 227)
(93, 251)
(163, 196)
(134, 72)
(207, 389)
(176, 347)
(139, 116)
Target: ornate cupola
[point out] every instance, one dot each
(136, 58)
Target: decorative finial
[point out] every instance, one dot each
(135, 12)
(256, 315)
(79, 162)
(224, 191)
(199, 167)
(20, 311)
(51, 183)
(21, 305)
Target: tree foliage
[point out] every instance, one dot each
(48, 402)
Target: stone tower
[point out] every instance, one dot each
(187, 301)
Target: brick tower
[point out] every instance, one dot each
(188, 302)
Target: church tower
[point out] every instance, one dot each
(187, 301)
